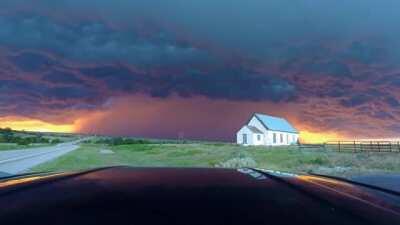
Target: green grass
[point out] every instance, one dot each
(13, 146)
(288, 159)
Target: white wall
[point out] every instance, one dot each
(296, 138)
(251, 137)
(288, 138)
(256, 123)
(256, 141)
(239, 136)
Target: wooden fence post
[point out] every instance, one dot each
(354, 146)
(379, 146)
(370, 146)
(339, 145)
(390, 146)
(398, 146)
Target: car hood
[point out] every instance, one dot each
(125, 195)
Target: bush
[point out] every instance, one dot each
(121, 141)
(23, 141)
(238, 163)
(318, 161)
(55, 141)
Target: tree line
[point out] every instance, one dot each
(118, 141)
(7, 135)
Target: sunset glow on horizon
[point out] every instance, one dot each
(318, 137)
(34, 125)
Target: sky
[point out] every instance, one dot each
(200, 69)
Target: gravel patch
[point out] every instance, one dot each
(106, 151)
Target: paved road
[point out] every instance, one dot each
(18, 161)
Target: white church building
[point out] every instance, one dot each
(267, 130)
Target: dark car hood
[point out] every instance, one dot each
(124, 195)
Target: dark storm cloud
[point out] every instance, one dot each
(339, 89)
(284, 29)
(62, 77)
(117, 78)
(65, 93)
(393, 80)
(19, 97)
(333, 68)
(383, 115)
(78, 54)
(10, 87)
(32, 62)
(231, 84)
(226, 86)
(363, 96)
(366, 52)
(91, 40)
(392, 101)
(356, 100)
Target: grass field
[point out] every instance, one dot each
(288, 159)
(13, 146)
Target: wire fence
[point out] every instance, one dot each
(355, 146)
